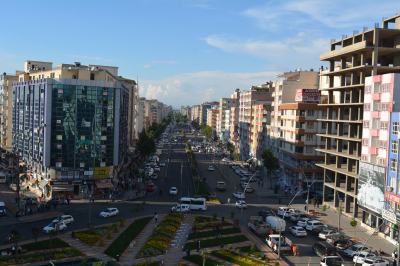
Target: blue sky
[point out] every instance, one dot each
(183, 52)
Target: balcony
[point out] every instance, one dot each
(337, 54)
(343, 169)
(343, 153)
(376, 96)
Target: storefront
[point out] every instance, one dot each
(372, 219)
(62, 189)
(44, 186)
(391, 226)
(103, 187)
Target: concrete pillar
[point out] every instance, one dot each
(327, 157)
(343, 62)
(396, 60)
(332, 65)
(330, 97)
(363, 58)
(347, 201)
(348, 183)
(396, 41)
(355, 207)
(397, 23)
(354, 78)
(354, 60)
(339, 145)
(362, 77)
(338, 162)
(342, 80)
(336, 198)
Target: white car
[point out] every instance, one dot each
(67, 219)
(109, 212)
(157, 168)
(224, 159)
(303, 222)
(360, 257)
(353, 250)
(228, 163)
(147, 166)
(298, 231)
(210, 168)
(162, 163)
(324, 234)
(173, 191)
(239, 195)
(244, 184)
(241, 204)
(181, 208)
(375, 262)
(54, 227)
(313, 224)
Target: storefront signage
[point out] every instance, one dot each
(390, 216)
(392, 197)
(371, 186)
(58, 183)
(308, 95)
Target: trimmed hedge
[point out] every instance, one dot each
(225, 231)
(198, 259)
(216, 242)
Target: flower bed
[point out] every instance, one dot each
(198, 259)
(257, 252)
(236, 258)
(151, 263)
(40, 256)
(210, 224)
(91, 237)
(216, 242)
(209, 233)
(122, 242)
(159, 241)
(202, 219)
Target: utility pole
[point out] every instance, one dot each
(181, 180)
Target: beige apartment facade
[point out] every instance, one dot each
(6, 82)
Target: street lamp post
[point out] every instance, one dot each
(181, 180)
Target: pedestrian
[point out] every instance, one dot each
(272, 245)
(29, 211)
(68, 199)
(318, 204)
(38, 207)
(294, 251)
(197, 245)
(305, 207)
(315, 203)
(271, 232)
(229, 201)
(156, 216)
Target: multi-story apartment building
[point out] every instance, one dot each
(6, 82)
(225, 104)
(352, 59)
(195, 112)
(70, 123)
(212, 117)
(133, 95)
(141, 115)
(247, 98)
(284, 92)
(203, 110)
(234, 128)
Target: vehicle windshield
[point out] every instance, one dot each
(353, 248)
(106, 211)
(300, 229)
(324, 232)
(368, 261)
(51, 225)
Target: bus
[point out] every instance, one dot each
(2, 178)
(195, 203)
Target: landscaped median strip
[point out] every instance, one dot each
(40, 256)
(216, 242)
(236, 258)
(162, 236)
(122, 242)
(43, 245)
(210, 233)
(197, 259)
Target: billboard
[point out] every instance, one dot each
(308, 95)
(371, 186)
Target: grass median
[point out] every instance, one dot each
(122, 242)
(236, 258)
(44, 244)
(216, 242)
(209, 233)
(198, 259)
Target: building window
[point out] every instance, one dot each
(385, 107)
(391, 206)
(367, 107)
(308, 149)
(395, 128)
(91, 76)
(322, 138)
(395, 146)
(366, 124)
(73, 76)
(310, 112)
(310, 125)
(310, 137)
(365, 142)
(384, 125)
(393, 184)
(323, 125)
(385, 88)
(368, 90)
(393, 165)
(382, 145)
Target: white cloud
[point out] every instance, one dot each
(148, 66)
(92, 58)
(204, 6)
(165, 62)
(209, 94)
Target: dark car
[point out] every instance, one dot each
(56, 201)
(300, 216)
(333, 239)
(150, 187)
(319, 229)
(343, 244)
(264, 213)
(324, 249)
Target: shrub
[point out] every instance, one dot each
(101, 244)
(253, 247)
(324, 208)
(109, 236)
(276, 263)
(116, 229)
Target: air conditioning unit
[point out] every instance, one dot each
(390, 189)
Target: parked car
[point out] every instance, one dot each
(30, 200)
(54, 227)
(343, 244)
(319, 229)
(359, 258)
(334, 238)
(162, 163)
(353, 250)
(323, 249)
(157, 168)
(173, 191)
(375, 262)
(297, 231)
(312, 224)
(239, 195)
(324, 234)
(150, 187)
(303, 222)
(263, 213)
(224, 159)
(241, 204)
(109, 212)
(67, 219)
(296, 217)
(210, 168)
(57, 201)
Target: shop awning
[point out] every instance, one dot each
(104, 185)
(32, 181)
(62, 188)
(43, 184)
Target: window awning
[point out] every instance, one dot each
(62, 188)
(104, 185)
(43, 184)
(32, 181)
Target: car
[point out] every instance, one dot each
(154, 176)
(173, 191)
(162, 163)
(353, 250)
(375, 262)
(297, 231)
(296, 217)
(303, 222)
(181, 208)
(239, 195)
(313, 223)
(324, 234)
(359, 258)
(343, 244)
(334, 238)
(157, 168)
(147, 166)
(227, 163)
(241, 204)
(67, 219)
(30, 200)
(109, 212)
(263, 213)
(224, 159)
(57, 201)
(150, 187)
(244, 184)
(319, 229)
(54, 227)
(210, 168)
(249, 189)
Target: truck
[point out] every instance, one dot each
(221, 186)
(257, 226)
(286, 243)
(277, 224)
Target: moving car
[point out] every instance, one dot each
(67, 219)
(224, 159)
(239, 195)
(241, 204)
(154, 176)
(150, 187)
(343, 244)
(324, 234)
(54, 227)
(109, 212)
(334, 238)
(157, 168)
(297, 231)
(210, 168)
(351, 251)
(297, 217)
(359, 258)
(181, 208)
(173, 191)
(162, 163)
(375, 262)
(303, 222)
(319, 229)
(312, 224)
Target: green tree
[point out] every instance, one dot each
(16, 238)
(353, 224)
(51, 234)
(203, 125)
(230, 148)
(205, 255)
(146, 144)
(236, 156)
(271, 163)
(232, 215)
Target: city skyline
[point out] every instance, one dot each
(200, 51)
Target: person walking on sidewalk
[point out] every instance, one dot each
(229, 201)
(318, 204)
(155, 217)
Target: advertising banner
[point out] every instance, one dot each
(308, 95)
(371, 186)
